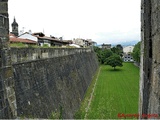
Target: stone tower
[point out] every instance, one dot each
(15, 27)
(7, 92)
(149, 102)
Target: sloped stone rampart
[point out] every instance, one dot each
(48, 85)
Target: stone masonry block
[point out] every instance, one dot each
(1, 21)
(3, 7)
(154, 22)
(3, 32)
(1, 85)
(154, 5)
(158, 19)
(1, 95)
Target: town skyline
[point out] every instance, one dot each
(102, 21)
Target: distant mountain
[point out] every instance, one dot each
(127, 43)
(124, 44)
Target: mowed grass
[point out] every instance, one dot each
(116, 92)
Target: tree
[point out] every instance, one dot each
(102, 54)
(117, 50)
(120, 48)
(105, 54)
(136, 52)
(114, 60)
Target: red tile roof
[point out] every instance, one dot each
(22, 40)
(14, 39)
(12, 35)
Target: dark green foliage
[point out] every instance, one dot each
(120, 49)
(114, 60)
(102, 54)
(105, 54)
(119, 46)
(117, 50)
(98, 52)
(136, 52)
(110, 57)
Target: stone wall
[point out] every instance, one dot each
(7, 93)
(44, 86)
(45, 81)
(19, 55)
(150, 57)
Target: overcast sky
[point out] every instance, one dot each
(103, 21)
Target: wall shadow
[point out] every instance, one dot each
(114, 70)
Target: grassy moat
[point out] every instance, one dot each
(115, 95)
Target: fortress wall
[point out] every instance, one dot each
(150, 57)
(48, 85)
(19, 55)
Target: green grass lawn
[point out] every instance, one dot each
(115, 92)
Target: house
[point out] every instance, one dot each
(50, 41)
(29, 36)
(81, 42)
(106, 46)
(42, 40)
(69, 41)
(127, 57)
(128, 49)
(84, 42)
(14, 39)
(91, 43)
(127, 53)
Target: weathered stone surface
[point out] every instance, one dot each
(45, 85)
(45, 80)
(150, 58)
(3, 7)
(19, 55)
(7, 93)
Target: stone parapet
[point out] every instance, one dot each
(19, 55)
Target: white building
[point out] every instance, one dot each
(28, 36)
(84, 42)
(127, 53)
(127, 57)
(128, 49)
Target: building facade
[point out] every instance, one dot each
(28, 36)
(84, 42)
(128, 49)
(49, 41)
(13, 39)
(127, 57)
(106, 46)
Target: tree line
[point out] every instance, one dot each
(112, 57)
(136, 52)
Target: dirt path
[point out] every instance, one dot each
(92, 94)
